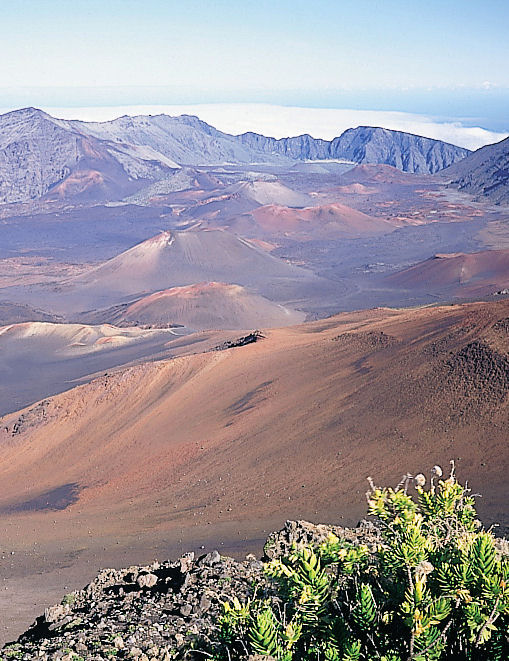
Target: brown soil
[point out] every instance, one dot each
(203, 306)
(481, 272)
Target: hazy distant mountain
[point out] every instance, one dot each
(484, 173)
(185, 139)
(43, 156)
(366, 144)
(88, 161)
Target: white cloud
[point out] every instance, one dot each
(283, 121)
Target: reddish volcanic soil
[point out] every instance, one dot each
(386, 174)
(173, 259)
(210, 305)
(328, 220)
(215, 449)
(477, 273)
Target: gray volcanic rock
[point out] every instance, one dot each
(367, 144)
(485, 173)
(34, 153)
(162, 611)
(301, 147)
(41, 155)
(185, 140)
(168, 610)
(405, 151)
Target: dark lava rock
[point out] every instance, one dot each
(240, 342)
(162, 611)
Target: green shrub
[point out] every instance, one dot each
(432, 587)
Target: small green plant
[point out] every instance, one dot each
(69, 599)
(432, 587)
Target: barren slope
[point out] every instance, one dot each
(217, 447)
(40, 358)
(485, 173)
(173, 259)
(44, 156)
(203, 306)
(379, 173)
(325, 221)
(271, 192)
(463, 274)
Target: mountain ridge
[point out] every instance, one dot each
(367, 144)
(484, 173)
(43, 156)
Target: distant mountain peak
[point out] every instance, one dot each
(28, 111)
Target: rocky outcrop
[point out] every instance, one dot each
(485, 173)
(405, 151)
(301, 147)
(156, 612)
(240, 342)
(34, 153)
(167, 610)
(299, 533)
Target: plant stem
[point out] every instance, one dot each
(493, 616)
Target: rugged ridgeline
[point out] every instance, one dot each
(366, 144)
(485, 173)
(160, 611)
(43, 156)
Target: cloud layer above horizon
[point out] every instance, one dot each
(283, 121)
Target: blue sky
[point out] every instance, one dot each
(447, 59)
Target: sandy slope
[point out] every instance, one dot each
(325, 221)
(271, 192)
(177, 258)
(204, 306)
(217, 447)
(40, 359)
(173, 259)
(478, 273)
